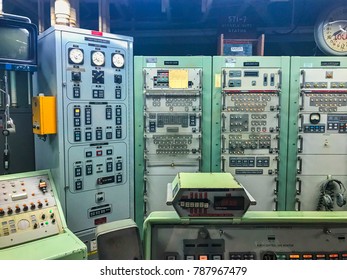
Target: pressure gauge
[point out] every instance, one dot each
(330, 31)
(118, 60)
(98, 58)
(76, 56)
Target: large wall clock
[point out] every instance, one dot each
(330, 31)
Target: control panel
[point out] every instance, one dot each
(92, 151)
(262, 236)
(318, 121)
(28, 210)
(32, 223)
(170, 109)
(250, 96)
(208, 195)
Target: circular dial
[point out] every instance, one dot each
(315, 118)
(76, 55)
(118, 60)
(98, 58)
(331, 31)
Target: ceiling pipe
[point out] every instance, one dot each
(104, 16)
(62, 12)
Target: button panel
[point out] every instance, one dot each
(26, 205)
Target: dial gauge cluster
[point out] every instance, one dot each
(97, 58)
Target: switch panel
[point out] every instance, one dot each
(173, 100)
(257, 235)
(28, 209)
(317, 134)
(251, 95)
(94, 112)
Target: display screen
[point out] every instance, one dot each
(229, 203)
(18, 42)
(14, 43)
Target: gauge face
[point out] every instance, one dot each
(315, 118)
(98, 58)
(118, 60)
(331, 32)
(76, 56)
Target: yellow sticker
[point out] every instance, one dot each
(217, 80)
(178, 78)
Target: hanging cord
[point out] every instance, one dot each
(7, 125)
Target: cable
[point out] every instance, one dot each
(327, 195)
(7, 125)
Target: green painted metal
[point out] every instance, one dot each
(140, 62)
(64, 246)
(277, 62)
(205, 181)
(251, 217)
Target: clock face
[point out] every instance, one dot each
(331, 32)
(98, 58)
(76, 56)
(118, 60)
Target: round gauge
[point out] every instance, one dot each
(315, 118)
(118, 60)
(76, 56)
(98, 58)
(330, 31)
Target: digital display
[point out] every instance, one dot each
(229, 203)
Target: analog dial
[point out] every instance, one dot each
(315, 118)
(76, 56)
(98, 58)
(118, 60)
(331, 31)
(98, 77)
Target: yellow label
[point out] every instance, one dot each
(178, 78)
(217, 80)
